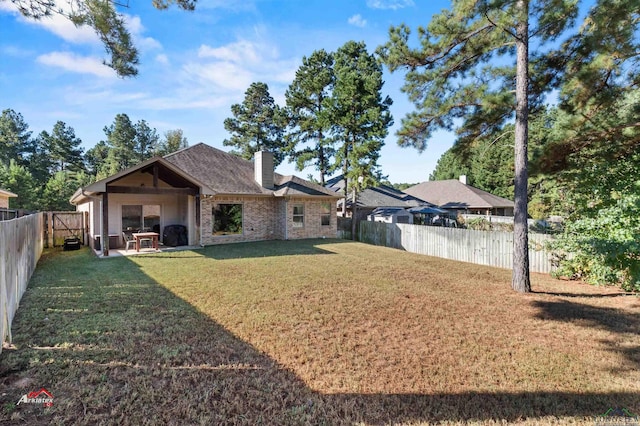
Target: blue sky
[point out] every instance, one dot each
(195, 65)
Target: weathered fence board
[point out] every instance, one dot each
(21, 244)
(61, 225)
(490, 248)
(344, 228)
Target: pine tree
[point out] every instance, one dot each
(107, 22)
(360, 117)
(63, 148)
(472, 73)
(15, 138)
(146, 141)
(309, 110)
(173, 141)
(121, 140)
(257, 124)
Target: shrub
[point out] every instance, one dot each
(603, 249)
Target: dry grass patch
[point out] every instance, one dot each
(313, 332)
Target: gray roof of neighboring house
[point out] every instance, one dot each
(453, 194)
(390, 211)
(217, 172)
(378, 196)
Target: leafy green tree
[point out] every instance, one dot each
(18, 179)
(15, 138)
(309, 108)
(173, 141)
(472, 72)
(257, 124)
(597, 166)
(106, 21)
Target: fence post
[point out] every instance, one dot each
(49, 229)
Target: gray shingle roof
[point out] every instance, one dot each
(227, 173)
(452, 194)
(378, 196)
(222, 172)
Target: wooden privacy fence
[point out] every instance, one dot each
(490, 248)
(344, 228)
(61, 225)
(21, 244)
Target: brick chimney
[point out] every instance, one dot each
(263, 167)
(463, 179)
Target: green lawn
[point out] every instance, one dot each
(314, 332)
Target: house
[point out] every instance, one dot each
(391, 215)
(372, 198)
(215, 196)
(4, 198)
(458, 197)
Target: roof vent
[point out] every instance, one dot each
(463, 179)
(263, 167)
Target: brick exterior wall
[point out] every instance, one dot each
(312, 225)
(264, 218)
(4, 202)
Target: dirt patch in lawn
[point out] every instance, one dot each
(314, 332)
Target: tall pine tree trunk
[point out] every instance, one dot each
(520, 277)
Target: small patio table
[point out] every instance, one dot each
(139, 236)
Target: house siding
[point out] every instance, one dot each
(258, 219)
(264, 218)
(313, 227)
(4, 202)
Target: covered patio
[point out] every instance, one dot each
(153, 197)
(123, 252)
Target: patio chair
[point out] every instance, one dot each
(128, 240)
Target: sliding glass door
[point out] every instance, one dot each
(138, 218)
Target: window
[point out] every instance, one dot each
(141, 218)
(298, 215)
(227, 219)
(325, 214)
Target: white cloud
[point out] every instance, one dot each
(389, 4)
(240, 52)
(57, 24)
(225, 76)
(357, 21)
(162, 59)
(65, 29)
(77, 64)
(16, 52)
(135, 27)
(234, 66)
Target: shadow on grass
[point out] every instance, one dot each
(613, 320)
(585, 295)
(269, 249)
(115, 347)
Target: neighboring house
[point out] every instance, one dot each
(458, 197)
(219, 198)
(4, 198)
(391, 215)
(372, 198)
